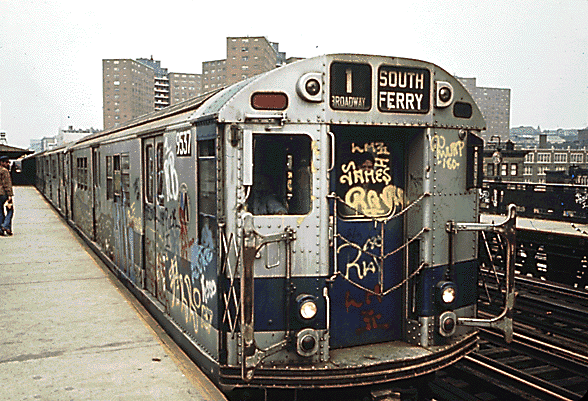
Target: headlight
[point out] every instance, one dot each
(308, 310)
(446, 293)
(307, 307)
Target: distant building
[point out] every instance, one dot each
(183, 86)
(132, 88)
(250, 56)
(69, 134)
(246, 57)
(494, 103)
(583, 137)
(128, 90)
(214, 75)
(504, 162)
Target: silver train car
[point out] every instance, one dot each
(311, 227)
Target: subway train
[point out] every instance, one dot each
(312, 227)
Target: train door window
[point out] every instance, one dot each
(368, 182)
(109, 178)
(281, 175)
(149, 173)
(160, 173)
(96, 167)
(82, 173)
(117, 178)
(207, 193)
(207, 177)
(125, 178)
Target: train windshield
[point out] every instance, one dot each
(281, 175)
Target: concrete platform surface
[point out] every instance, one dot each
(70, 331)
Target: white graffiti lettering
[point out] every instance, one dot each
(172, 187)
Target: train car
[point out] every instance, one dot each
(311, 227)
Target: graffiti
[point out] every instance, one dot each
(369, 181)
(582, 199)
(171, 175)
(369, 316)
(379, 172)
(160, 287)
(190, 300)
(371, 319)
(137, 188)
(184, 210)
(447, 153)
(370, 203)
(124, 240)
(364, 267)
(202, 254)
(379, 148)
(134, 221)
(208, 289)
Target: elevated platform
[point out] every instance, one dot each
(70, 330)
(544, 226)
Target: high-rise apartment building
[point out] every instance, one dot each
(183, 86)
(246, 57)
(249, 56)
(494, 103)
(132, 88)
(214, 75)
(128, 90)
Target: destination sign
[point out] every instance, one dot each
(350, 86)
(403, 89)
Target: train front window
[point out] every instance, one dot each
(281, 175)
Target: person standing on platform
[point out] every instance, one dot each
(5, 197)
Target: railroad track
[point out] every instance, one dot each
(546, 311)
(547, 359)
(525, 369)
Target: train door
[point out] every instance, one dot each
(153, 180)
(368, 180)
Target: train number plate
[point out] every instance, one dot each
(183, 143)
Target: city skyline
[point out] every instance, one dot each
(51, 52)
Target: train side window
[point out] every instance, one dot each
(109, 178)
(160, 173)
(125, 168)
(117, 175)
(149, 170)
(281, 175)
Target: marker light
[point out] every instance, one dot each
(269, 101)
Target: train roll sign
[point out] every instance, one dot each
(403, 89)
(351, 86)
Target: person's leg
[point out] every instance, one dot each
(7, 225)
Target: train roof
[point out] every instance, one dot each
(233, 104)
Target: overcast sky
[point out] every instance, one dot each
(51, 51)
